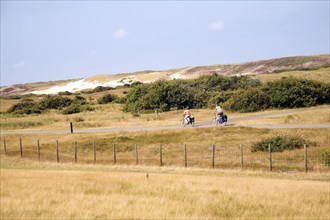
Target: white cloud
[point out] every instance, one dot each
(217, 26)
(121, 33)
(20, 64)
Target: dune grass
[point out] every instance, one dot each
(321, 75)
(34, 190)
(198, 141)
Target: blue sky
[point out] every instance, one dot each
(55, 40)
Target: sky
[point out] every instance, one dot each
(56, 40)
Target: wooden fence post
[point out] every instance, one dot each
(20, 147)
(38, 150)
(57, 153)
(5, 146)
(161, 155)
(75, 151)
(71, 127)
(241, 150)
(270, 158)
(185, 156)
(94, 150)
(136, 154)
(213, 151)
(305, 157)
(114, 154)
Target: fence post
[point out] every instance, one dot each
(5, 146)
(241, 150)
(57, 153)
(161, 155)
(185, 156)
(213, 151)
(114, 154)
(270, 158)
(71, 127)
(136, 154)
(305, 157)
(20, 147)
(38, 150)
(75, 151)
(94, 150)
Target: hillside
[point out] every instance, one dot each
(249, 68)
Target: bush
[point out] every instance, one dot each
(79, 100)
(278, 144)
(25, 107)
(107, 99)
(77, 108)
(102, 89)
(290, 92)
(72, 109)
(97, 89)
(248, 100)
(65, 93)
(54, 102)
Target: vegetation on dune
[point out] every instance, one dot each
(279, 143)
(97, 89)
(70, 106)
(244, 94)
(107, 99)
(193, 93)
(287, 92)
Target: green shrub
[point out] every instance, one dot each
(247, 100)
(77, 108)
(72, 109)
(107, 99)
(79, 100)
(25, 107)
(65, 93)
(54, 102)
(290, 92)
(278, 144)
(102, 89)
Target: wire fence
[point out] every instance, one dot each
(179, 155)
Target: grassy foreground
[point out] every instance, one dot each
(32, 190)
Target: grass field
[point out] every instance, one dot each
(33, 190)
(44, 189)
(198, 144)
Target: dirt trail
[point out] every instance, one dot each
(231, 122)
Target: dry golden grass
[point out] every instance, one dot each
(198, 141)
(321, 75)
(320, 116)
(31, 190)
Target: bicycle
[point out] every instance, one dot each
(216, 120)
(184, 122)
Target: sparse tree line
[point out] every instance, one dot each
(243, 94)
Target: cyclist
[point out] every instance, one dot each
(218, 111)
(186, 114)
